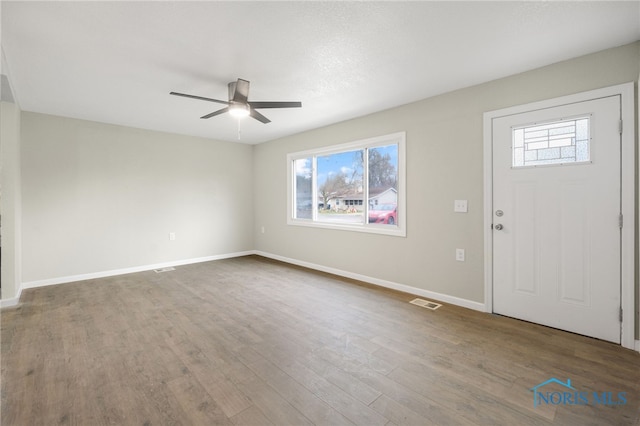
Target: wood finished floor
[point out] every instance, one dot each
(249, 341)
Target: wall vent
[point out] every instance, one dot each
(426, 304)
(167, 269)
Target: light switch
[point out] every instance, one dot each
(460, 206)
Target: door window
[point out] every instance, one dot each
(557, 142)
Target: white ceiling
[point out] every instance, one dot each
(116, 62)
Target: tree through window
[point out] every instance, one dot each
(356, 186)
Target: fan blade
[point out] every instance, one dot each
(255, 114)
(275, 104)
(218, 112)
(241, 93)
(199, 97)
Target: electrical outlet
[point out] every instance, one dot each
(172, 236)
(460, 206)
(460, 255)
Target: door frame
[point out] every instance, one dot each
(626, 91)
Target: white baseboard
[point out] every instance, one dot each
(7, 303)
(111, 273)
(465, 303)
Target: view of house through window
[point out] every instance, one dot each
(340, 180)
(355, 184)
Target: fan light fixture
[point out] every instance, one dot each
(238, 104)
(239, 110)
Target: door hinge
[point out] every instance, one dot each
(620, 220)
(620, 316)
(620, 126)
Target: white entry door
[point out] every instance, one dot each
(556, 211)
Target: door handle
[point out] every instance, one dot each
(498, 227)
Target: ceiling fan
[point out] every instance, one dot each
(238, 104)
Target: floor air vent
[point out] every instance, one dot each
(157, 271)
(426, 304)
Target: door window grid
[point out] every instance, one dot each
(559, 142)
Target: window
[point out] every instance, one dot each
(558, 142)
(355, 186)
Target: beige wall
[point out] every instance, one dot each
(10, 206)
(444, 163)
(99, 197)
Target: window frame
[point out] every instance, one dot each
(399, 229)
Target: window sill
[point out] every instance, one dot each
(391, 230)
